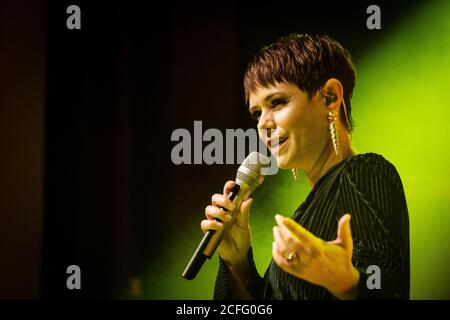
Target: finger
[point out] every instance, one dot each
(219, 200)
(245, 209)
(289, 226)
(286, 235)
(212, 213)
(277, 256)
(293, 267)
(210, 225)
(279, 240)
(287, 241)
(228, 186)
(246, 205)
(243, 217)
(344, 233)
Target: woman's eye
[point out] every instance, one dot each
(255, 115)
(277, 102)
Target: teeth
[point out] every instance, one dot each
(279, 142)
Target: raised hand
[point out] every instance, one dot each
(328, 264)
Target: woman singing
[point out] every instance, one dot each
(299, 91)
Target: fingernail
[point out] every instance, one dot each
(227, 217)
(279, 219)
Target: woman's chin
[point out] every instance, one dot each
(285, 161)
(282, 163)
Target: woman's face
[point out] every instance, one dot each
(294, 127)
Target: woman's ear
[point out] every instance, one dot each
(333, 93)
(330, 98)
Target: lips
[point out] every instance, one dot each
(276, 144)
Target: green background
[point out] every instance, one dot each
(400, 106)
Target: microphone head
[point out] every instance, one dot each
(249, 172)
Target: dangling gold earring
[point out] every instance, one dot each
(295, 174)
(334, 130)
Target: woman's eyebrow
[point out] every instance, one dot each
(267, 98)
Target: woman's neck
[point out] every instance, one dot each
(328, 158)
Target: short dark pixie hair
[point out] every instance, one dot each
(305, 61)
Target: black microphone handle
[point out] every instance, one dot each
(199, 257)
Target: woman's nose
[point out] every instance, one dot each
(266, 121)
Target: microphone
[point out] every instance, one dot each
(248, 178)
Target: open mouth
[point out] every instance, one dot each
(278, 144)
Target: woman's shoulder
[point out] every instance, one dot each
(367, 167)
(369, 161)
(376, 182)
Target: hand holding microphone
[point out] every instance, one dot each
(236, 242)
(223, 228)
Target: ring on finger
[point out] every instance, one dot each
(291, 257)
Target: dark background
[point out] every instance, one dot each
(87, 116)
